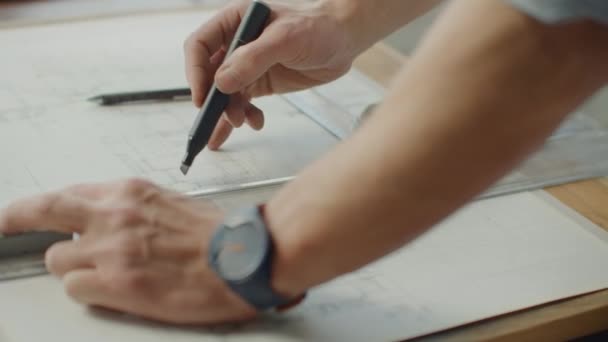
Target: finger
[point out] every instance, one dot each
(89, 287)
(217, 59)
(59, 211)
(254, 117)
(67, 256)
(86, 287)
(215, 62)
(220, 134)
(203, 43)
(91, 191)
(235, 111)
(249, 62)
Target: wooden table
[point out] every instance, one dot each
(561, 320)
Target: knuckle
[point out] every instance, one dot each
(47, 204)
(307, 25)
(133, 280)
(135, 187)
(287, 32)
(237, 7)
(125, 217)
(130, 249)
(127, 245)
(234, 113)
(76, 189)
(189, 42)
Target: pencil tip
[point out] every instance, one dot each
(184, 168)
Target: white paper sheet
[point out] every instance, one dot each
(493, 257)
(50, 136)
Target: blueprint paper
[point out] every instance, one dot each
(51, 136)
(493, 257)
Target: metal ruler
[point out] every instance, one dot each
(22, 267)
(23, 255)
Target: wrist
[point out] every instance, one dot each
(295, 266)
(367, 22)
(286, 257)
(303, 227)
(351, 16)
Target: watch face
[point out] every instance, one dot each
(241, 251)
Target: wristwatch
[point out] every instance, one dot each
(241, 254)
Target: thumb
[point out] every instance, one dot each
(249, 62)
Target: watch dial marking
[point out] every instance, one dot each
(242, 251)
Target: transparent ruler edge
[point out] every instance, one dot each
(532, 182)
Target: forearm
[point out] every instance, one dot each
(370, 21)
(457, 119)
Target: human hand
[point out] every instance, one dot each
(302, 46)
(142, 250)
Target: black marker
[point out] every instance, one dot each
(139, 96)
(251, 27)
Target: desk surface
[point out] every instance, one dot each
(562, 320)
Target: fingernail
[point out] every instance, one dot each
(237, 124)
(253, 124)
(234, 123)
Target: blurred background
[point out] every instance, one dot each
(15, 12)
(405, 41)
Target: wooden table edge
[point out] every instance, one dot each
(562, 320)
